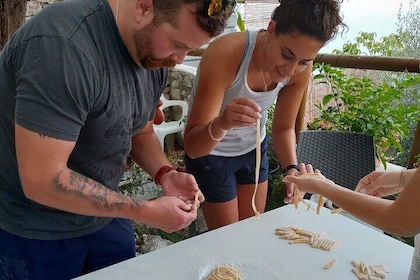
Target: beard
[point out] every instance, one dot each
(144, 49)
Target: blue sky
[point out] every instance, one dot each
(379, 16)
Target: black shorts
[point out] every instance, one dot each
(218, 176)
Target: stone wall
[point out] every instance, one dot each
(33, 7)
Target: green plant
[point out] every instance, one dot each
(417, 163)
(271, 154)
(403, 43)
(174, 237)
(367, 42)
(240, 22)
(276, 188)
(361, 105)
(276, 192)
(138, 183)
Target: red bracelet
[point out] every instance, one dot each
(162, 171)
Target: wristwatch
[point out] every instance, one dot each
(290, 166)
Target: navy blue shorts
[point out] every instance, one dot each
(218, 176)
(23, 258)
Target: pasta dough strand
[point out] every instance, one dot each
(224, 272)
(257, 167)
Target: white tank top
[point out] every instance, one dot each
(241, 140)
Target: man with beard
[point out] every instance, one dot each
(79, 84)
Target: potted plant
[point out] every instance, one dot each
(362, 105)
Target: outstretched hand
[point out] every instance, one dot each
(308, 180)
(380, 183)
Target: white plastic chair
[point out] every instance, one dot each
(177, 93)
(170, 127)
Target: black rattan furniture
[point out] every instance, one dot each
(343, 157)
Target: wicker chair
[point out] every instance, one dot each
(344, 157)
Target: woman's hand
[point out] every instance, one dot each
(240, 112)
(308, 180)
(290, 187)
(381, 183)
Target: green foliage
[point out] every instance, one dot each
(276, 192)
(386, 46)
(270, 115)
(272, 158)
(240, 22)
(406, 240)
(417, 161)
(404, 43)
(136, 183)
(409, 30)
(361, 105)
(276, 188)
(174, 237)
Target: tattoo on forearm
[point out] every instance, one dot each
(83, 187)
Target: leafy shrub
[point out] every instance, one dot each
(362, 105)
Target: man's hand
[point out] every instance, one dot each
(167, 213)
(181, 185)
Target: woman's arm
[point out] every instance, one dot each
(398, 217)
(285, 114)
(383, 183)
(218, 68)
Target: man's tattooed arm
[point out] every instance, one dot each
(100, 197)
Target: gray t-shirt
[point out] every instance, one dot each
(66, 74)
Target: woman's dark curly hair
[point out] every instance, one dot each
(213, 23)
(319, 19)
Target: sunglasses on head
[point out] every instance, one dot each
(216, 6)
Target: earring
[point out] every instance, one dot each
(265, 40)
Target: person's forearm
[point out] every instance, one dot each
(378, 212)
(73, 192)
(196, 149)
(148, 154)
(407, 175)
(284, 145)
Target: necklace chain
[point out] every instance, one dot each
(265, 88)
(117, 12)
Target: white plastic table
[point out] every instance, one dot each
(252, 245)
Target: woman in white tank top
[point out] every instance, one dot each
(240, 76)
